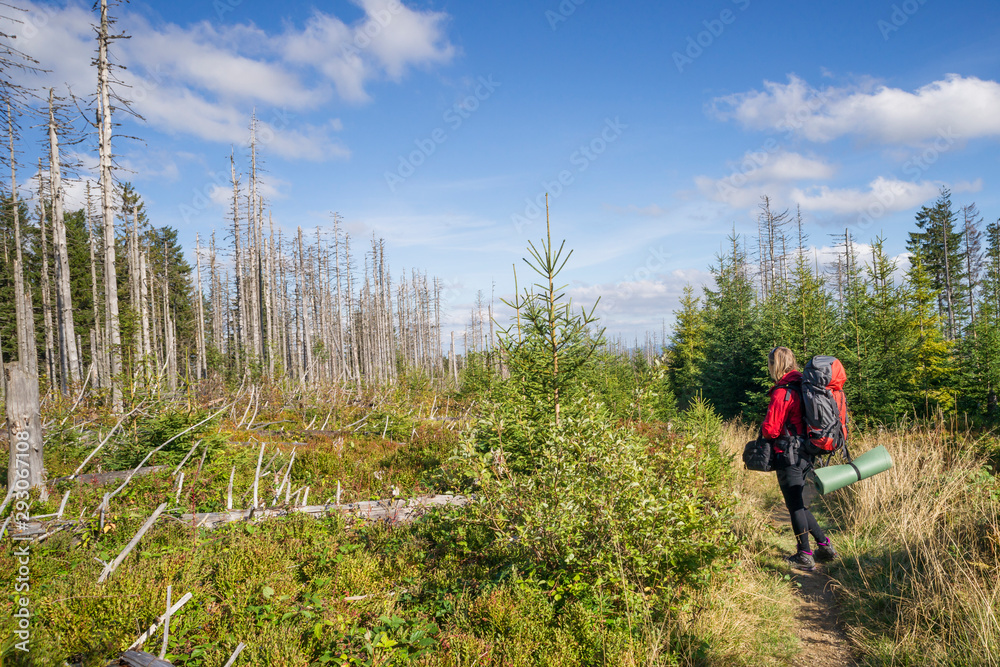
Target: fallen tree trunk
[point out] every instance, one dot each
(391, 511)
(113, 476)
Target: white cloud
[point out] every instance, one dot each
(965, 107)
(883, 195)
(390, 39)
(205, 80)
(762, 172)
(891, 194)
(203, 57)
(407, 37)
(632, 307)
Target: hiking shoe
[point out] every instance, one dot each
(825, 552)
(802, 560)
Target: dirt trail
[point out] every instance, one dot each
(824, 643)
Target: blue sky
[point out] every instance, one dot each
(437, 125)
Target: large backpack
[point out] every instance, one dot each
(824, 405)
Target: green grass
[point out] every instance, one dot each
(431, 593)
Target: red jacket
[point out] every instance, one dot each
(785, 409)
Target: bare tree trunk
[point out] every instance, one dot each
(201, 370)
(340, 307)
(99, 378)
(271, 346)
(303, 311)
(50, 366)
(68, 360)
(217, 305)
(146, 343)
(114, 341)
(454, 361)
(241, 319)
(24, 313)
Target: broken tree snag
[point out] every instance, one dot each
(113, 565)
(24, 431)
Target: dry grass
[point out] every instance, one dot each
(920, 552)
(919, 574)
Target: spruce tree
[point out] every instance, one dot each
(888, 337)
(811, 318)
(735, 348)
(687, 349)
(988, 325)
(939, 246)
(930, 376)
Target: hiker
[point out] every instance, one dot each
(784, 426)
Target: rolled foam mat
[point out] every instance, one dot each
(869, 464)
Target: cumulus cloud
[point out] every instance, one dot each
(962, 106)
(389, 40)
(781, 175)
(892, 194)
(640, 303)
(762, 171)
(205, 79)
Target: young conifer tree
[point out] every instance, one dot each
(736, 347)
(686, 351)
(549, 345)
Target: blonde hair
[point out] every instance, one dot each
(781, 360)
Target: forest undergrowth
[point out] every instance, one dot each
(545, 568)
(633, 541)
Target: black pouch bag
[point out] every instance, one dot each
(792, 453)
(757, 455)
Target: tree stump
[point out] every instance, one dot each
(24, 430)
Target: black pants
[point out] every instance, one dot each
(792, 482)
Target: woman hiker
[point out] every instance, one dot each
(785, 427)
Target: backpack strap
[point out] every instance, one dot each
(788, 386)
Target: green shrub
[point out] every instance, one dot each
(702, 428)
(597, 504)
(149, 434)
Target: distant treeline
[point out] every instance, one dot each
(915, 343)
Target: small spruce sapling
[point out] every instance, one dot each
(548, 345)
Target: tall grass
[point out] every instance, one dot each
(920, 551)
(918, 579)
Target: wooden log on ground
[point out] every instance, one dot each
(113, 476)
(113, 565)
(173, 609)
(392, 511)
(139, 659)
